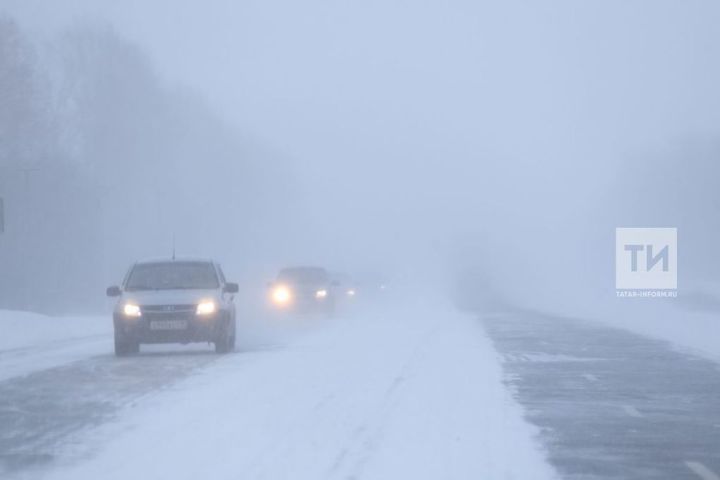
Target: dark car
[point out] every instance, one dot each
(174, 301)
(345, 286)
(303, 289)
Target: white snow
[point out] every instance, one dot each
(407, 393)
(690, 322)
(32, 342)
(689, 330)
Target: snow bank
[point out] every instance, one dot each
(696, 330)
(25, 329)
(690, 322)
(30, 342)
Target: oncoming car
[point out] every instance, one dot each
(345, 286)
(304, 290)
(174, 301)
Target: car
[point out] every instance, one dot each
(345, 286)
(174, 301)
(303, 290)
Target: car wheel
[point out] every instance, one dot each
(124, 347)
(222, 343)
(233, 335)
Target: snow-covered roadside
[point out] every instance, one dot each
(670, 320)
(690, 322)
(25, 329)
(411, 393)
(31, 342)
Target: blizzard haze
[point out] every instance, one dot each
(506, 138)
(416, 206)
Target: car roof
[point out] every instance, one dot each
(304, 269)
(176, 259)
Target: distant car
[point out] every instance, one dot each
(303, 290)
(345, 286)
(174, 301)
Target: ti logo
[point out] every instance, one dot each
(646, 259)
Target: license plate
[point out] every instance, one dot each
(168, 325)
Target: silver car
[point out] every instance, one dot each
(174, 301)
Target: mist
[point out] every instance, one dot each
(487, 149)
(380, 239)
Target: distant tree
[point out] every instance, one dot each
(25, 137)
(121, 163)
(24, 120)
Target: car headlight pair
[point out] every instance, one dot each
(282, 295)
(206, 307)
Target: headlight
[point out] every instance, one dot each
(321, 294)
(281, 295)
(206, 308)
(351, 293)
(132, 310)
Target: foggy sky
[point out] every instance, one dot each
(445, 132)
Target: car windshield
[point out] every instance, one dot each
(310, 275)
(172, 276)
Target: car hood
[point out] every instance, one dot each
(169, 297)
(303, 286)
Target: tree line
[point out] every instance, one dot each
(102, 163)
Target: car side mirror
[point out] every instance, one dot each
(231, 288)
(113, 291)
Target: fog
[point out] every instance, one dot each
(489, 148)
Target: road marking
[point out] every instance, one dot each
(590, 377)
(701, 471)
(632, 411)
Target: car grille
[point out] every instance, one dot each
(161, 312)
(168, 308)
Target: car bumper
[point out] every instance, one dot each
(169, 329)
(306, 305)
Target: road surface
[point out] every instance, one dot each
(612, 404)
(420, 391)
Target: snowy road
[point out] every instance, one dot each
(394, 393)
(612, 404)
(32, 342)
(397, 393)
(26, 360)
(41, 410)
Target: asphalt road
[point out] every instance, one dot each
(612, 404)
